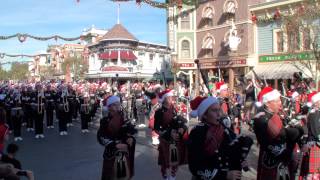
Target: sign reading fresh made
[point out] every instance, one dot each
(287, 57)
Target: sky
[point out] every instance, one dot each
(68, 18)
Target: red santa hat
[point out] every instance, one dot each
(294, 95)
(164, 94)
(199, 105)
(123, 88)
(156, 86)
(221, 86)
(135, 86)
(267, 94)
(111, 100)
(313, 97)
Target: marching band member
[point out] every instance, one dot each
(38, 110)
(171, 129)
(28, 109)
(214, 152)
(85, 112)
(312, 158)
(49, 95)
(16, 115)
(276, 140)
(115, 134)
(63, 110)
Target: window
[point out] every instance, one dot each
(185, 21)
(151, 56)
(207, 53)
(141, 54)
(229, 10)
(185, 49)
(161, 57)
(306, 39)
(279, 39)
(207, 16)
(293, 40)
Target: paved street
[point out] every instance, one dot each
(79, 157)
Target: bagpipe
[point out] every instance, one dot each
(239, 147)
(129, 126)
(178, 122)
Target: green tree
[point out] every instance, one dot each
(77, 66)
(19, 71)
(3, 74)
(302, 27)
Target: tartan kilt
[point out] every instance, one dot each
(264, 173)
(314, 159)
(164, 155)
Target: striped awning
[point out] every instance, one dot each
(279, 71)
(108, 55)
(207, 43)
(208, 13)
(127, 55)
(230, 7)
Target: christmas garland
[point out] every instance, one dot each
(23, 37)
(2, 55)
(12, 62)
(162, 5)
(277, 15)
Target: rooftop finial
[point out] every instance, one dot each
(118, 22)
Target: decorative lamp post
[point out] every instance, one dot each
(174, 69)
(198, 77)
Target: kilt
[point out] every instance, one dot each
(164, 159)
(264, 173)
(314, 159)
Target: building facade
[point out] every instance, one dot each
(225, 43)
(280, 47)
(181, 27)
(120, 55)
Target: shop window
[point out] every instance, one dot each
(185, 21)
(278, 41)
(293, 40)
(185, 49)
(306, 38)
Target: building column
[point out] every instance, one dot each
(231, 78)
(197, 83)
(276, 84)
(190, 81)
(119, 60)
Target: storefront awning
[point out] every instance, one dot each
(207, 43)
(279, 71)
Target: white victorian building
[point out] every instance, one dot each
(118, 54)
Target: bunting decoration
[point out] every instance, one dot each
(23, 37)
